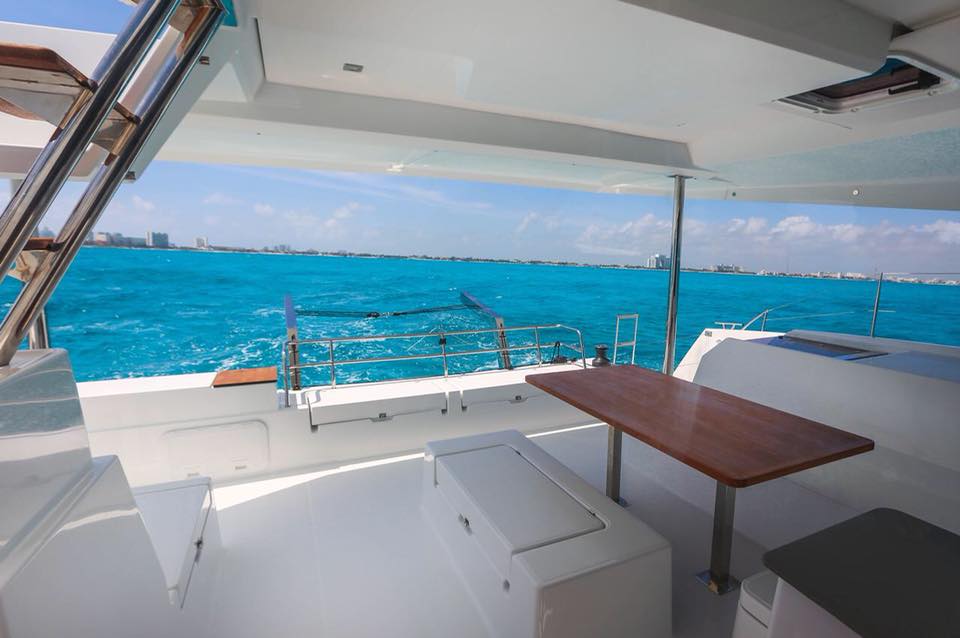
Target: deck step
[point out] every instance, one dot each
(37, 84)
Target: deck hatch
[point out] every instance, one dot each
(511, 505)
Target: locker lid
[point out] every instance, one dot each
(515, 506)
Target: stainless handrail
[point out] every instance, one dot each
(443, 354)
(881, 278)
(147, 22)
(414, 335)
(58, 158)
(632, 343)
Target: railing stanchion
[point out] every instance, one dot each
(536, 334)
(333, 371)
(286, 374)
(443, 353)
(583, 354)
(290, 314)
(876, 305)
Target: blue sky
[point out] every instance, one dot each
(254, 207)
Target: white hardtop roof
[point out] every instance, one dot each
(604, 95)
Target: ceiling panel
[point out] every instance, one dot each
(594, 62)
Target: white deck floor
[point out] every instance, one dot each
(344, 552)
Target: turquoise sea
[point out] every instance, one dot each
(124, 313)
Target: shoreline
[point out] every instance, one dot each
(529, 262)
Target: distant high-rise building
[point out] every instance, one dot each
(726, 268)
(203, 243)
(157, 240)
(118, 239)
(658, 261)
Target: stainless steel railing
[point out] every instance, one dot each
(59, 157)
(294, 350)
(632, 343)
(896, 277)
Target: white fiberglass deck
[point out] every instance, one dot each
(345, 552)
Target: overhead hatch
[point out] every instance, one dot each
(896, 80)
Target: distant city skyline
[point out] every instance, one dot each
(656, 261)
(396, 214)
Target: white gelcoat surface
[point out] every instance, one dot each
(543, 553)
(176, 515)
(347, 553)
(527, 508)
(906, 409)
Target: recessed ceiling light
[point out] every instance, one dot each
(353, 68)
(856, 192)
(396, 168)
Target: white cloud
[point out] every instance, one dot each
(755, 225)
(528, 219)
(639, 237)
(346, 211)
(946, 231)
(796, 241)
(264, 210)
(751, 226)
(221, 199)
(308, 223)
(143, 204)
(847, 233)
(547, 223)
(371, 185)
(795, 227)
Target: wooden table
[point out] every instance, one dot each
(734, 441)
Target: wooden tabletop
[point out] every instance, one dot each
(735, 441)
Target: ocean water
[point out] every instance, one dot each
(127, 313)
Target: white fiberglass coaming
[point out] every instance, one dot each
(319, 500)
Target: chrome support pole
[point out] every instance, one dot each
(718, 578)
(105, 182)
(876, 306)
(58, 158)
(38, 337)
(673, 290)
(614, 450)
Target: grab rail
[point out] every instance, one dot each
(292, 356)
(896, 277)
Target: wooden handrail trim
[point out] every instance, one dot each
(245, 376)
